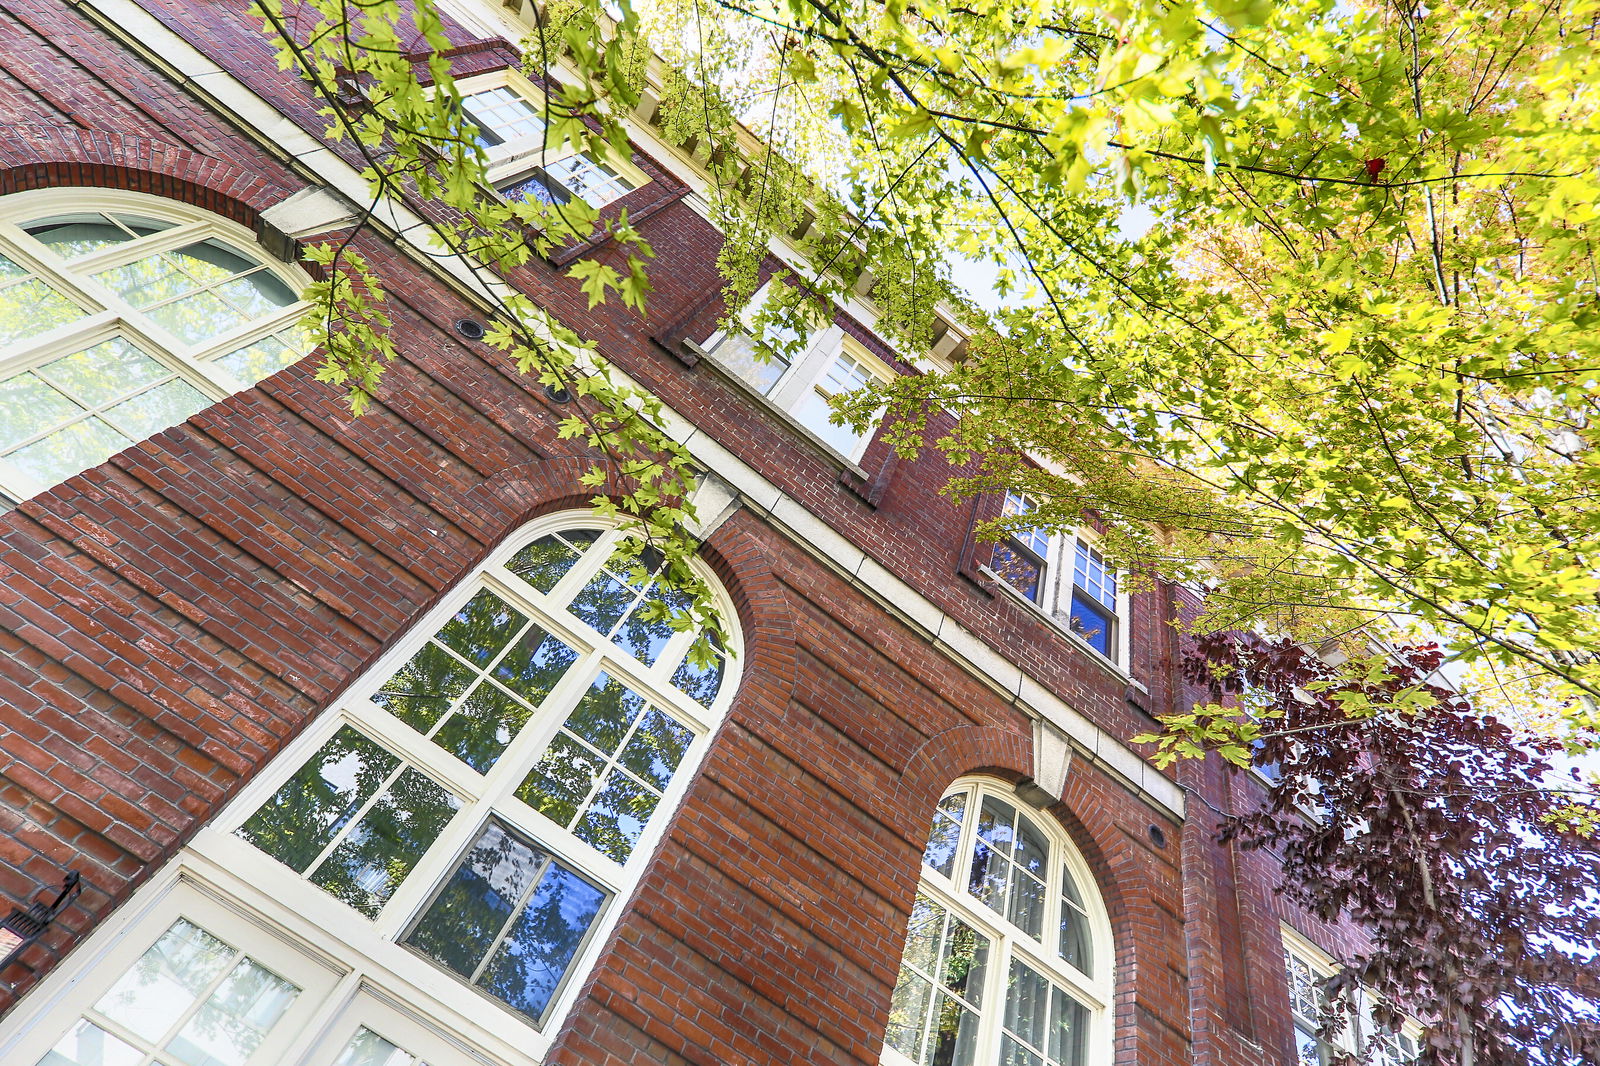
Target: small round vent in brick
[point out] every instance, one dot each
(470, 328)
(558, 394)
(1158, 836)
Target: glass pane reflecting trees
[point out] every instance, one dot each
(117, 324)
(1000, 957)
(520, 747)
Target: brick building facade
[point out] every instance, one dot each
(189, 626)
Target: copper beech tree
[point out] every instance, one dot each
(1447, 834)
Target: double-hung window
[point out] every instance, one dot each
(121, 315)
(509, 116)
(801, 372)
(1008, 952)
(459, 833)
(1066, 576)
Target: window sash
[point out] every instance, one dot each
(491, 795)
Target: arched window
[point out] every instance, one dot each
(120, 315)
(459, 833)
(1008, 953)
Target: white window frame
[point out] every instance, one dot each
(107, 315)
(270, 896)
(520, 155)
(804, 377)
(1359, 1030)
(1095, 990)
(1057, 583)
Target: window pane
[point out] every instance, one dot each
(196, 318)
(701, 683)
(530, 963)
(1027, 1004)
(604, 773)
(260, 358)
(503, 115)
(235, 1019)
(461, 926)
(166, 981)
(737, 352)
(423, 689)
(1018, 569)
(1069, 1030)
(192, 997)
(934, 1016)
(256, 294)
(30, 308)
(70, 236)
(510, 919)
(1092, 622)
(909, 1022)
(945, 834)
(380, 850)
(155, 409)
(367, 1048)
(547, 560)
(1090, 574)
(28, 405)
(645, 638)
(1075, 945)
(536, 186)
(89, 1045)
(603, 602)
(70, 449)
(1036, 541)
(302, 819)
(588, 179)
(844, 374)
(482, 628)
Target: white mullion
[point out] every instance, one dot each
(432, 868)
(354, 820)
(131, 251)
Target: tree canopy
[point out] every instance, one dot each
(1296, 300)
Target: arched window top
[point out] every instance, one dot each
(1008, 954)
(524, 744)
(122, 314)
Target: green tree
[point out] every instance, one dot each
(1342, 372)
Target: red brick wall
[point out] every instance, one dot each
(169, 620)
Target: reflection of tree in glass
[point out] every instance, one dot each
(380, 850)
(701, 682)
(533, 664)
(312, 808)
(422, 690)
(610, 763)
(29, 308)
(482, 627)
(510, 919)
(304, 816)
(547, 560)
(231, 1002)
(941, 975)
(651, 623)
(426, 693)
(602, 602)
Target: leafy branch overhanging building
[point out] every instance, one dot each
(352, 729)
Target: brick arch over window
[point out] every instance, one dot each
(1124, 873)
(46, 157)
